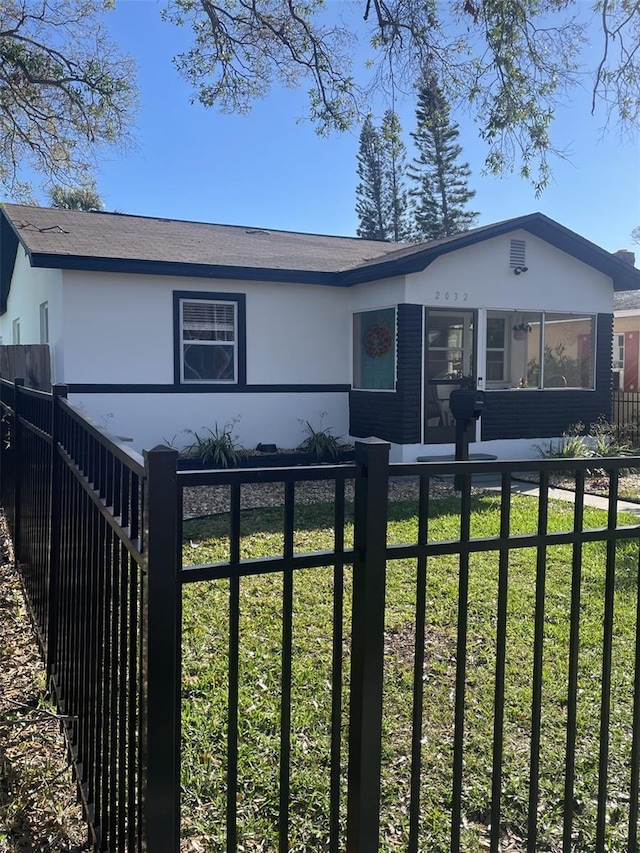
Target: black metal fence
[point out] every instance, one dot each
(73, 501)
(98, 538)
(626, 415)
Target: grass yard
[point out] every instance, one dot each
(205, 649)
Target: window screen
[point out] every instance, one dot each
(209, 341)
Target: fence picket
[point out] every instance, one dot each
(162, 625)
(367, 644)
(59, 391)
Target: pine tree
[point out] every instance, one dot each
(381, 196)
(394, 168)
(369, 199)
(442, 191)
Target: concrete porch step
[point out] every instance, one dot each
(473, 457)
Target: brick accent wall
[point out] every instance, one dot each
(545, 414)
(395, 415)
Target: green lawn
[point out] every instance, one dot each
(205, 664)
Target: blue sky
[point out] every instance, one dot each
(269, 169)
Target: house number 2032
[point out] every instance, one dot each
(451, 296)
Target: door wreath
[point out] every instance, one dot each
(378, 341)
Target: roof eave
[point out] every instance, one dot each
(183, 269)
(421, 259)
(624, 276)
(9, 242)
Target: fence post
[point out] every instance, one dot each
(161, 640)
(367, 649)
(55, 510)
(17, 468)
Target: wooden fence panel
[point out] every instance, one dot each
(30, 362)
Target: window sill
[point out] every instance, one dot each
(215, 382)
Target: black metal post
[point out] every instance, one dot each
(16, 440)
(161, 633)
(462, 450)
(367, 646)
(55, 509)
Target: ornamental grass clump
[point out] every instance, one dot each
(602, 440)
(572, 445)
(320, 442)
(219, 448)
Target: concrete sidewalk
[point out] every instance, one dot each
(522, 487)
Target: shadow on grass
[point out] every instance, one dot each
(269, 520)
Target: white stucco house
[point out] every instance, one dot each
(157, 325)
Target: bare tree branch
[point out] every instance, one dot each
(65, 91)
(512, 63)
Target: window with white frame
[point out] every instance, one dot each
(374, 350)
(16, 331)
(618, 352)
(44, 322)
(617, 361)
(208, 339)
(535, 349)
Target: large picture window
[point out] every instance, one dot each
(529, 349)
(374, 350)
(208, 332)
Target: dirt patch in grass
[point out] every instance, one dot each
(38, 808)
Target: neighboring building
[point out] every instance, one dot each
(158, 325)
(626, 334)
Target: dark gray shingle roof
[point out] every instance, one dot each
(52, 231)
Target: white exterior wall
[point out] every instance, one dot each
(480, 277)
(29, 289)
(151, 419)
(378, 294)
(120, 329)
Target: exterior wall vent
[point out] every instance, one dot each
(518, 254)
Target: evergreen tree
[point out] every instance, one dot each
(85, 197)
(442, 191)
(394, 168)
(381, 196)
(369, 192)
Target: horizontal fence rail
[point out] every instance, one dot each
(341, 657)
